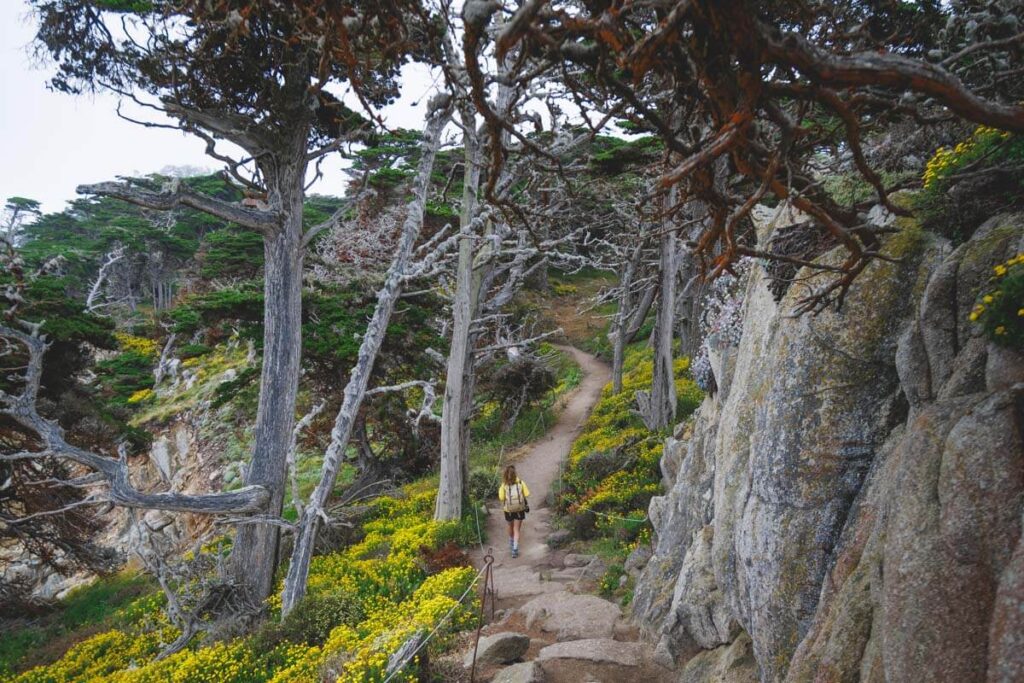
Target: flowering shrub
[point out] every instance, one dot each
(613, 466)
(1000, 309)
(983, 142)
(141, 395)
(387, 595)
(140, 345)
(981, 176)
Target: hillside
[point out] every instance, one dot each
(676, 341)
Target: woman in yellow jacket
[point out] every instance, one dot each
(514, 496)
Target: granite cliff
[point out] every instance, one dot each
(848, 505)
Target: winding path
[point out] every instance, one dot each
(565, 634)
(538, 465)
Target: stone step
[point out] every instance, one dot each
(505, 647)
(597, 660)
(569, 616)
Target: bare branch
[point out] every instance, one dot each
(177, 194)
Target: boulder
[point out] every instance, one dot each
(558, 538)
(732, 663)
(637, 560)
(520, 581)
(572, 617)
(599, 659)
(499, 648)
(576, 560)
(525, 672)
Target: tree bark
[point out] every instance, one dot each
(458, 381)
(254, 556)
(623, 316)
(355, 389)
(658, 408)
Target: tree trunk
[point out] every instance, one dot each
(355, 389)
(458, 382)
(622, 316)
(658, 408)
(689, 307)
(255, 551)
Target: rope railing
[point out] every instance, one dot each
(487, 589)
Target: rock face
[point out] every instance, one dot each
(849, 503)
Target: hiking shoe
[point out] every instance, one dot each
(515, 553)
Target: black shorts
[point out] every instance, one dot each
(521, 515)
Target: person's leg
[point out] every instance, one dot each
(517, 526)
(511, 534)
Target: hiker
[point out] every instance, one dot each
(514, 496)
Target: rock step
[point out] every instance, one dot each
(500, 648)
(596, 660)
(572, 617)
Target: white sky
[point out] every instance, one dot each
(50, 142)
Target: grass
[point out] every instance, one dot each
(85, 611)
(209, 370)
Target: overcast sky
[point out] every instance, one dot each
(50, 142)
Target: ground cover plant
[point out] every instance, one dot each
(364, 602)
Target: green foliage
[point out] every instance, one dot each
(312, 621)
(234, 253)
(440, 210)
(609, 583)
(363, 602)
(482, 483)
(990, 145)
(391, 158)
(981, 176)
(332, 324)
(66, 319)
(123, 377)
(613, 467)
(999, 311)
(614, 155)
(850, 189)
(242, 303)
(389, 177)
(244, 383)
(490, 440)
(135, 6)
(193, 351)
(107, 601)
(92, 227)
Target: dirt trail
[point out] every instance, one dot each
(570, 635)
(538, 465)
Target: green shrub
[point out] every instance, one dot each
(1000, 309)
(609, 583)
(124, 376)
(311, 621)
(193, 351)
(613, 469)
(981, 176)
(482, 484)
